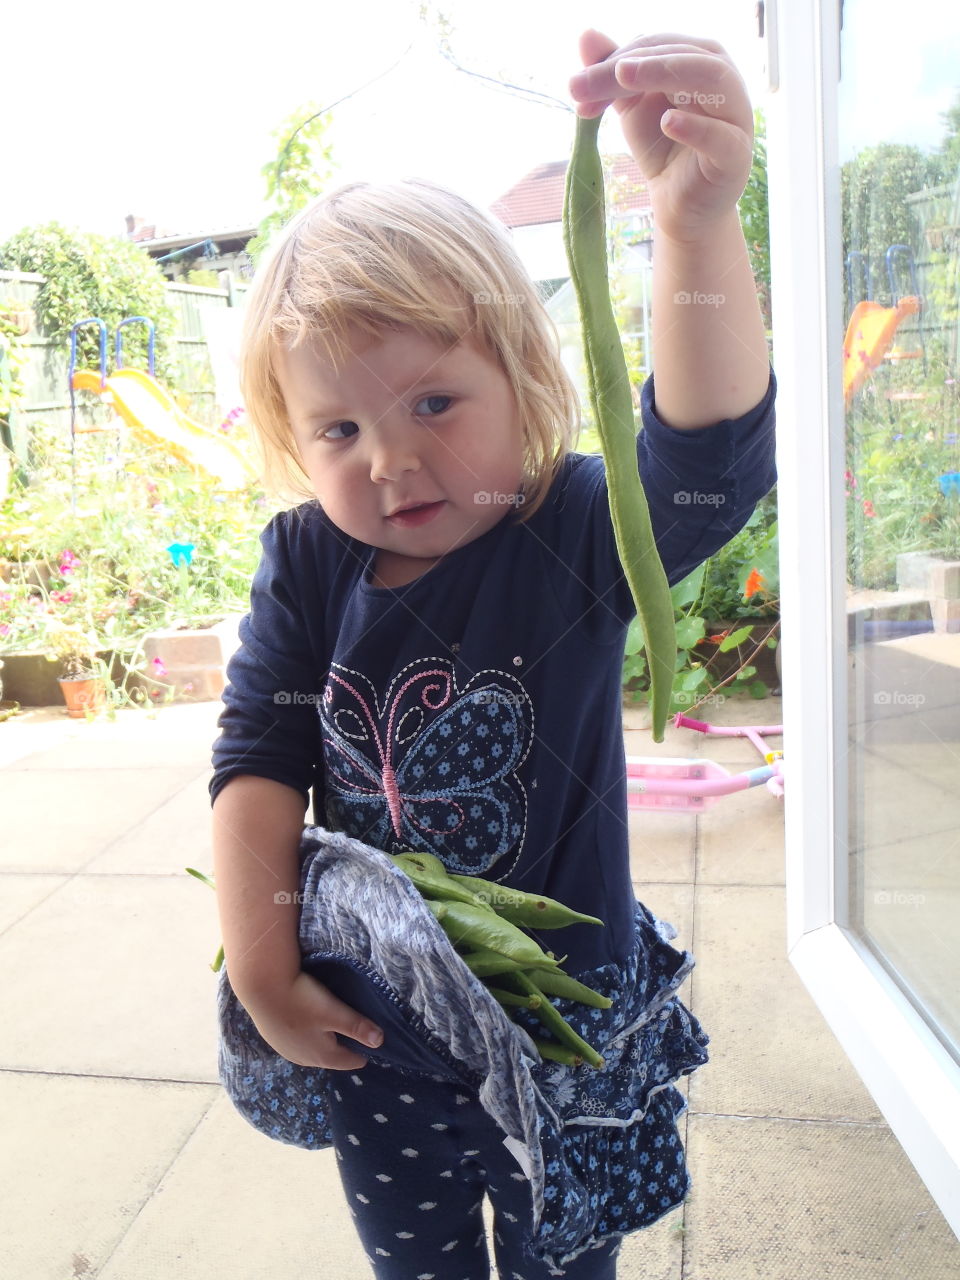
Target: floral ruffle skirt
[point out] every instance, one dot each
(615, 1149)
(600, 1148)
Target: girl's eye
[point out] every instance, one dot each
(328, 434)
(434, 405)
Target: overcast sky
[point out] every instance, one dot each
(166, 110)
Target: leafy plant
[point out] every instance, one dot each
(895, 460)
(111, 566)
(740, 581)
(93, 275)
(75, 651)
(754, 216)
(299, 172)
(12, 358)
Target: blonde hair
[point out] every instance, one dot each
(413, 254)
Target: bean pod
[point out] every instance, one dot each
(480, 927)
(585, 239)
(532, 910)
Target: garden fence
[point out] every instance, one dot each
(46, 395)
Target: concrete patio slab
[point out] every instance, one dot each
(741, 842)
(771, 1053)
(237, 1204)
(58, 819)
(129, 1163)
(180, 734)
(175, 835)
(21, 893)
(113, 980)
(825, 1202)
(80, 1158)
(662, 845)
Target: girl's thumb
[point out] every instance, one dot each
(357, 1027)
(339, 1017)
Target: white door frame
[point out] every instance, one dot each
(914, 1081)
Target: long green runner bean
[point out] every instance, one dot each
(585, 239)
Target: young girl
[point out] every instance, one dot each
(457, 554)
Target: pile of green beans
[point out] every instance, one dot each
(485, 922)
(585, 240)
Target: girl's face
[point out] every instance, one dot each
(404, 421)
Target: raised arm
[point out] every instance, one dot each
(688, 122)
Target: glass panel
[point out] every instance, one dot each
(900, 183)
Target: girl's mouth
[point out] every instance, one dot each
(416, 515)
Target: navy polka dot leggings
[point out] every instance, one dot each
(416, 1157)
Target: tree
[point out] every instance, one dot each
(949, 151)
(93, 275)
(754, 215)
(300, 171)
(875, 214)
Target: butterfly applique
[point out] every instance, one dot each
(435, 769)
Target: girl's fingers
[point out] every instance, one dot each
(683, 74)
(722, 148)
(595, 46)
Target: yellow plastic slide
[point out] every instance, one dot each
(152, 414)
(870, 335)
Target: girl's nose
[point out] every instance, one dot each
(392, 453)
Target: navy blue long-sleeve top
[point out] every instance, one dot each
(476, 712)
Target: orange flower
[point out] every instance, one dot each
(754, 584)
(719, 637)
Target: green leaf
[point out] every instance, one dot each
(690, 631)
(688, 588)
(734, 639)
(634, 641)
(758, 689)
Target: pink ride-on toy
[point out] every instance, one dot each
(694, 784)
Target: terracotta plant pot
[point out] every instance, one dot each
(82, 695)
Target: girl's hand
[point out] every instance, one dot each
(299, 1022)
(686, 117)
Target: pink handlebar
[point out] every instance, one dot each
(754, 732)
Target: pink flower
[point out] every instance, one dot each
(67, 561)
(61, 597)
(868, 508)
(159, 669)
(4, 629)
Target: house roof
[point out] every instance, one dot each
(148, 238)
(538, 197)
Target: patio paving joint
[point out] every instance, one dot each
(766, 1118)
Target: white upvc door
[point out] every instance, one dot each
(869, 473)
